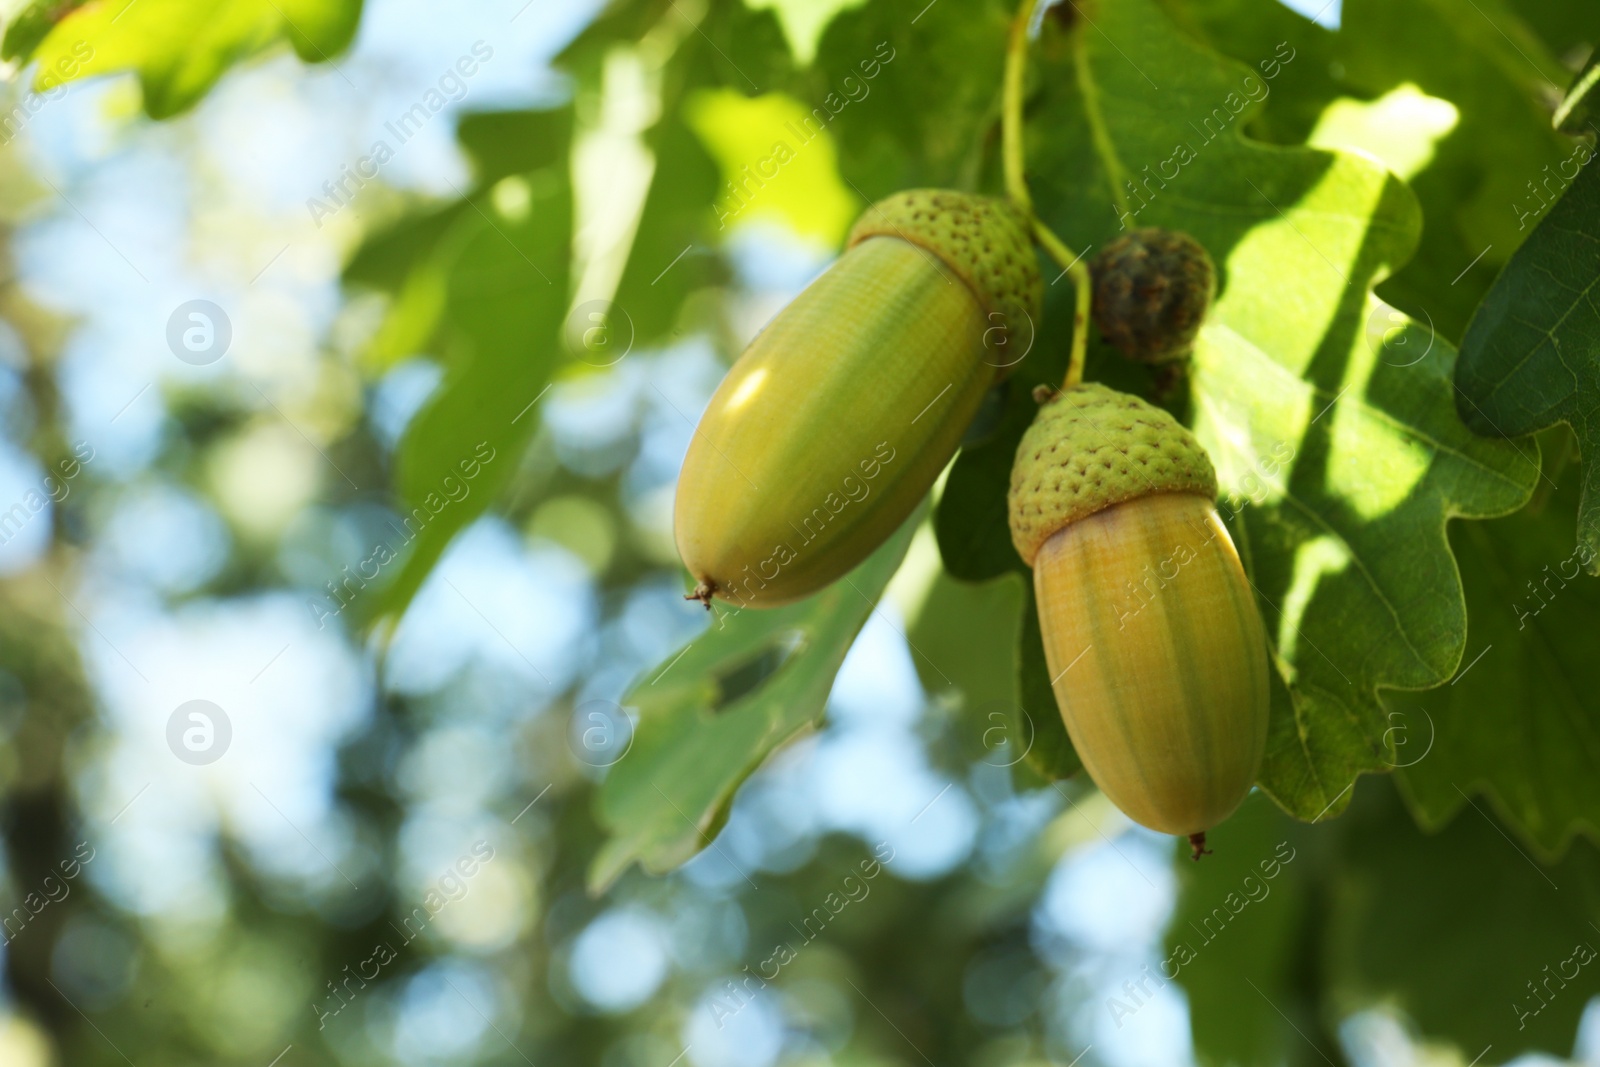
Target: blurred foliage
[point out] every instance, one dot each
(1340, 449)
(762, 680)
(485, 284)
(179, 48)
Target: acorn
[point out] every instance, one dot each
(839, 416)
(1156, 650)
(1151, 291)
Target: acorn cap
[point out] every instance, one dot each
(1091, 447)
(985, 241)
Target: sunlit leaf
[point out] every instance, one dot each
(1478, 56)
(803, 21)
(179, 48)
(778, 163)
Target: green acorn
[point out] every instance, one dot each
(840, 415)
(1152, 636)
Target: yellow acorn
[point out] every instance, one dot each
(1156, 651)
(840, 415)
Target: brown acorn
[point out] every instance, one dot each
(1151, 290)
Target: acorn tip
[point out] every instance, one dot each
(702, 592)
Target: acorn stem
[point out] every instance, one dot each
(1079, 271)
(1013, 155)
(702, 592)
(1014, 159)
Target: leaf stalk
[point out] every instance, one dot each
(1014, 162)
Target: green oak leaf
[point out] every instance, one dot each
(1241, 943)
(1246, 30)
(1467, 123)
(1462, 931)
(880, 83)
(903, 119)
(493, 293)
(803, 21)
(31, 25)
(962, 635)
(179, 48)
(968, 649)
(1479, 56)
(970, 521)
(402, 259)
(711, 713)
(1521, 723)
(1567, 27)
(1339, 453)
(1531, 355)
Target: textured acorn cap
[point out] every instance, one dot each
(985, 241)
(1091, 447)
(1151, 291)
